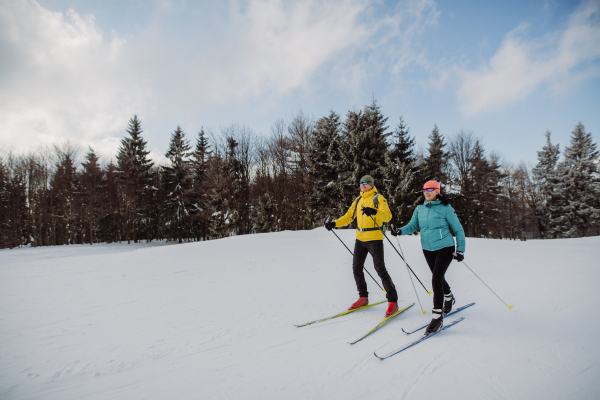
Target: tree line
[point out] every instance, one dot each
(304, 173)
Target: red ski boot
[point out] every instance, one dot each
(392, 308)
(361, 302)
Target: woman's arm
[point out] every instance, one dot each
(456, 226)
(412, 225)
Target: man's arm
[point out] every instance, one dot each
(347, 218)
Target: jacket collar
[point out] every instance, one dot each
(370, 193)
(432, 203)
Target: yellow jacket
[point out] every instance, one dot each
(364, 221)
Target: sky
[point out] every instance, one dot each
(507, 71)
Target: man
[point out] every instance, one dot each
(369, 240)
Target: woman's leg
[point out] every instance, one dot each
(438, 262)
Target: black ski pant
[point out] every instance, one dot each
(375, 248)
(439, 261)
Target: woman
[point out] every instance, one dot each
(434, 217)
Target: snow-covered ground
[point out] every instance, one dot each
(213, 320)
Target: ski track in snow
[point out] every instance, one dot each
(214, 320)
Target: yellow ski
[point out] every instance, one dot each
(339, 315)
(385, 320)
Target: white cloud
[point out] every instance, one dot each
(260, 48)
(559, 60)
(63, 79)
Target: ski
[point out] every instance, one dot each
(447, 315)
(339, 315)
(394, 352)
(385, 320)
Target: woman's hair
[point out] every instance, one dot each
(443, 199)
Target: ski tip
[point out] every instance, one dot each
(510, 307)
(375, 354)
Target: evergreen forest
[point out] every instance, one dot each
(304, 173)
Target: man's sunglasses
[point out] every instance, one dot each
(365, 183)
(430, 189)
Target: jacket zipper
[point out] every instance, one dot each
(428, 222)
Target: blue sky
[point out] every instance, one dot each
(506, 71)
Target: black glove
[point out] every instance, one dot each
(369, 211)
(395, 232)
(329, 225)
(459, 256)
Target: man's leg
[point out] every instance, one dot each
(376, 251)
(358, 262)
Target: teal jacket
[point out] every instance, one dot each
(434, 218)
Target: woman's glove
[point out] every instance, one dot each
(395, 232)
(329, 225)
(459, 256)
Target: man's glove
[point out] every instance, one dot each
(369, 211)
(459, 256)
(395, 232)
(329, 225)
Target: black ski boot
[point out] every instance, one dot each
(448, 302)
(437, 322)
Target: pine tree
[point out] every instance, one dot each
(4, 206)
(136, 176)
(484, 209)
(401, 176)
(577, 207)
(402, 144)
(322, 173)
(437, 162)
(177, 183)
(220, 199)
(93, 184)
(363, 149)
(200, 186)
(264, 219)
(228, 191)
(15, 227)
(544, 177)
(155, 226)
(64, 185)
(111, 220)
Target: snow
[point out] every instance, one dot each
(213, 320)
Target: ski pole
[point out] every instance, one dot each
(411, 279)
(353, 256)
(507, 305)
(394, 247)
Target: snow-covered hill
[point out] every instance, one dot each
(213, 320)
